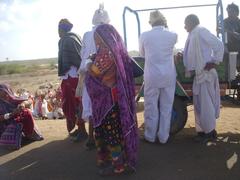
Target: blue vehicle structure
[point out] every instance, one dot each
(183, 91)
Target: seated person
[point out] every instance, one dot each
(15, 119)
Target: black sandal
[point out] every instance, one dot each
(107, 171)
(91, 144)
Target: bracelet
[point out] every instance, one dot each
(6, 116)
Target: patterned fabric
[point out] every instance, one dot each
(110, 129)
(101, 94)
(104, 60)
(12, 135)
(109, 140)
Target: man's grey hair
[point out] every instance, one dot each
(192, 19)
(157, 19)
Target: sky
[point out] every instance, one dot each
(28, 28)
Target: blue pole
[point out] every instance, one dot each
(220, 20)
(124, 23)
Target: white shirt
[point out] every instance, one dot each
(157, 47)
(88, 48)
(72, 72)
(211, 48)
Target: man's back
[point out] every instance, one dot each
(157, 46)
(158, 42)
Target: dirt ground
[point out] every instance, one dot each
(58, 158)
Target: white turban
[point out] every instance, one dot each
(156, 16)
(100, 16)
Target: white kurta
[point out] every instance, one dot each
(206, 92)
(87, 49)
(157, 47)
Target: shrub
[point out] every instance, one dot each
(11, 69)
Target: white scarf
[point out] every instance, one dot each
(194, 58)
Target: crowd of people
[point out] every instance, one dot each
(19, 110)
(98, 87)
(45, 103)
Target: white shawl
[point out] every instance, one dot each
(194, 58)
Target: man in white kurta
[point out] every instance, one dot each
(157, 47)
(202, 52)
(89, 48)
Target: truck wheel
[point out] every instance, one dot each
(179, 115)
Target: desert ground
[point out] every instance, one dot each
(58, 158)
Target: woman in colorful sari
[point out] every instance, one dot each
(110, 85)
(13, 114)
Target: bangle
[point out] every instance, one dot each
(6, 116)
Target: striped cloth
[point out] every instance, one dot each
(12, 136)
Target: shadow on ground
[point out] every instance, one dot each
(181, 159)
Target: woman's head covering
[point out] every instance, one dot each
(157, 18)
(100, 16)
(65, 25)
(5, 88)
(11, 102)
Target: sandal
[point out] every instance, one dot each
(110, 170)
(90, 144)
(103, 164)
(107, 171)
(81, 136)
(74, 133)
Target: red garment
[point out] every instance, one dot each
(25, 117)
(114, 94)
(39, 106)
(71, 105)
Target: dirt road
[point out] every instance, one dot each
(57, 158)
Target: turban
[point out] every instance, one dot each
(100, 16)
(156, 16)
(65, 25)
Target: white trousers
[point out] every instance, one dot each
(158, 103)
(86, 103)
(206, 100)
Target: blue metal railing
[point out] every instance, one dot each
(219, 17)
(124, 23)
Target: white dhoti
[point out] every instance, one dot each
(158, 103)
(206, 100)
(81, 91)
(87, 104)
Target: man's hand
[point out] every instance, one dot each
(92, 56)
(178, 57)
(209, 66)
